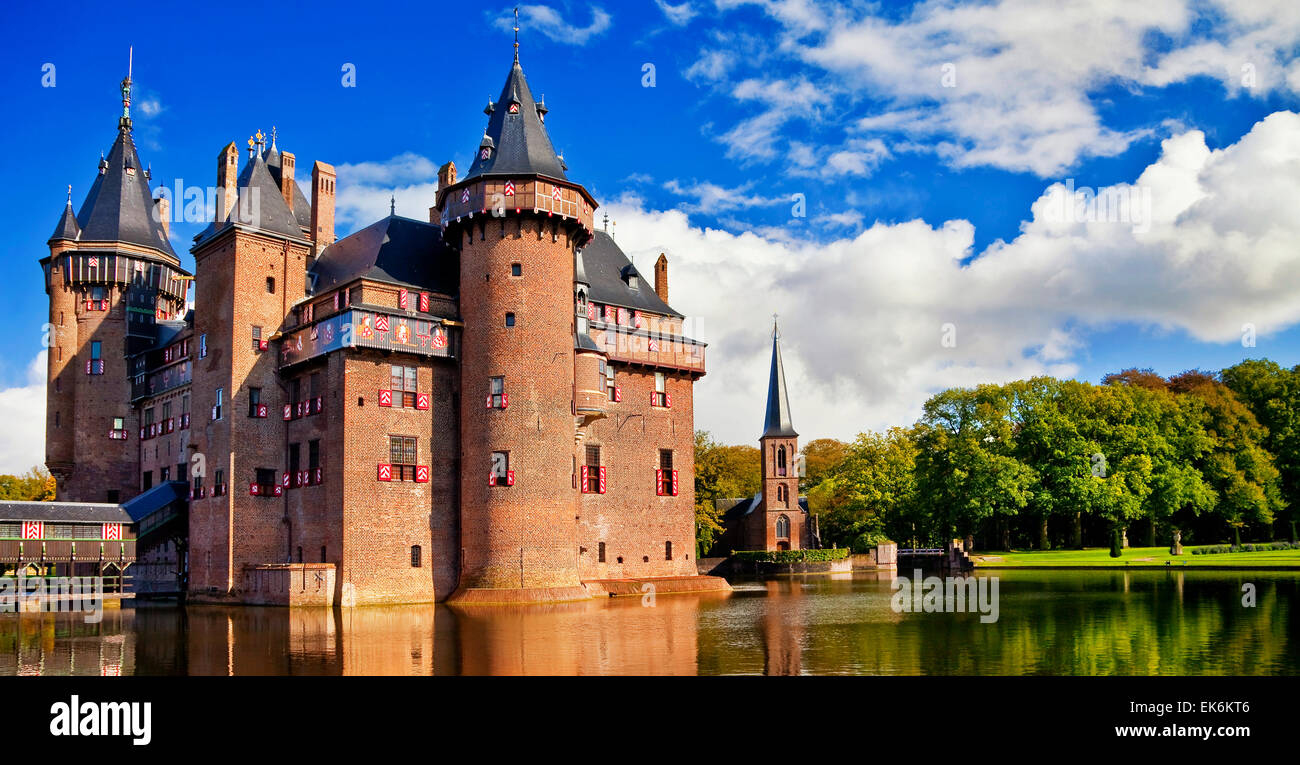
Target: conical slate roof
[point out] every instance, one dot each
(119, 207)
(259, 203)
(516, 130)
(67, 228)
(777, 423)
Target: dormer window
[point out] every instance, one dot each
(514, 107)
(630, 277)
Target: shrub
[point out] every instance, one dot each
(791, 556)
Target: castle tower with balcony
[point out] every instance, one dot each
(111, 275)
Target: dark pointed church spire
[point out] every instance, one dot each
(777, 423)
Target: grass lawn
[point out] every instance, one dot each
(1134, 557)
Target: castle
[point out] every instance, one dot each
(383, 418)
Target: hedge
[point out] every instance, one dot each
(1266, 547)
(791, 556)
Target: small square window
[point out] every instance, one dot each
(516, 269)
(510, 319)
(270, 284)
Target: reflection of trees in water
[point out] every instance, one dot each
(1068, 622)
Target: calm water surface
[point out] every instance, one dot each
(1069, 622)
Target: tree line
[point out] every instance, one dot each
(36, 485)
(1050, 463)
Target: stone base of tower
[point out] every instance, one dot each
(482, 596)
(659, 585)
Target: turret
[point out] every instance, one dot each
(779, 443)
(517, 220)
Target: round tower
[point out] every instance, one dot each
(517, 220)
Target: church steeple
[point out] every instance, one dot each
(777, 423)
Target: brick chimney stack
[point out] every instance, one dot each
(227, 180)
(287, 161)
(661, 277)
(322, 205)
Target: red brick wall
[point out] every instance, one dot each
(521, 536)
(631, 519)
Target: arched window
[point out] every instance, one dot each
(780, 460)
(782, 527)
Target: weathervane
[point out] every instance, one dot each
(125, 122)
(516, 34)
(392, 205)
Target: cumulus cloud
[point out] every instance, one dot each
(22, 410)
(1202, 243)
(367, 189)
(1008, 83)
(678, 15)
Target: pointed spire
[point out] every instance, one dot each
(67, 227)
(777, 423)
(515, 142)
(124, 123)
(392, 205)
(516, 34)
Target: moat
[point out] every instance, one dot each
(1050, 623)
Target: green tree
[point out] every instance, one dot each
(36, 485)
(821, 456)
(1272, 394)
(721, 472)
(870, 494)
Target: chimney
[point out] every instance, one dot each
(286, 177)
(661, 277)
(322, 205)
(160, 209)
(227, 180)
(447, 175)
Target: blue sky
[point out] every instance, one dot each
(920, 137)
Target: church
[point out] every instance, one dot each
(776, 518)
(381, 418)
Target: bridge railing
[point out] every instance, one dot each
(921, 551)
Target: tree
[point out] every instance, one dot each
(721, 472)
(870, 494)
(821, 456)
(36, 485)
(1273, 395)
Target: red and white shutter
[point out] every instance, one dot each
(422, 401)
(254, 489)
(319, 477)
(284, 479)
(674, 483)
(489, 402)
(602, 479)
(659, 481)
(668, 400)
(505, 400)
(585, 474)
(424, 302)
(381, 323)
(618, 394)
(385, 472)
(403, 299)
(336, 301)
(277, 491)
(510, 478)
(288, 412)
(654, 398)
(112, 531)
(33, 529)
(492, 478)
(385, 398)
(421, 473)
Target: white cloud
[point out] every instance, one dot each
(678, 15)
(862, 316)
(549, 22)
(713, 199)
(1011, 83)
(22, 410)
(367, 189)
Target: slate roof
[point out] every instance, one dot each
(735, 509)
(522, 144)
(259, 194)
(396, 250)
(67, 227)
(155, 499)
(777, 422)
(301, 206)
(604, 265)
(119, 207)
(63, 512)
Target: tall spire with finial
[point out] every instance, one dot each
(125, 122)
(516, 34)
(392, 205)
(777, 421)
